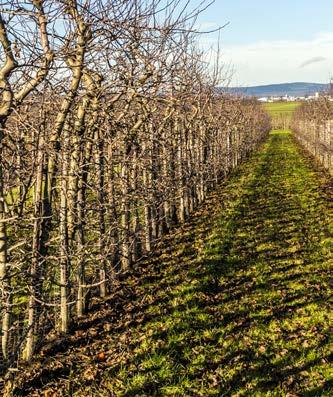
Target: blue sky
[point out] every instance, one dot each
(273, 41)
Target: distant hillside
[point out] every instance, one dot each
(291, 89)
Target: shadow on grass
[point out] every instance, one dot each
(241, 306)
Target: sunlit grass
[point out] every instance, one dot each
(281, 107)
(257, 322)
(250, 314)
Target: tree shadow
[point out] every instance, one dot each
(241, 304)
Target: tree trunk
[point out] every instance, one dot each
(35, 285)
(63, 231)
(4, 279)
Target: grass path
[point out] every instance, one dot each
(237, 303)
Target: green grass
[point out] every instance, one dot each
(281, 107)
(281, 113)
(286, 108)
(240, 304)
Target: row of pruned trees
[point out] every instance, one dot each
(313, 127)
(111, 133)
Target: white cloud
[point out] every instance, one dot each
(279, 61)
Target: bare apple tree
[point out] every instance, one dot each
(112, 132)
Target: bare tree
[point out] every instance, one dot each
(312, 124)
(112, 132)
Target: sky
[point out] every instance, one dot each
(270, 41)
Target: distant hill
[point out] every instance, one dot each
(291, 89)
